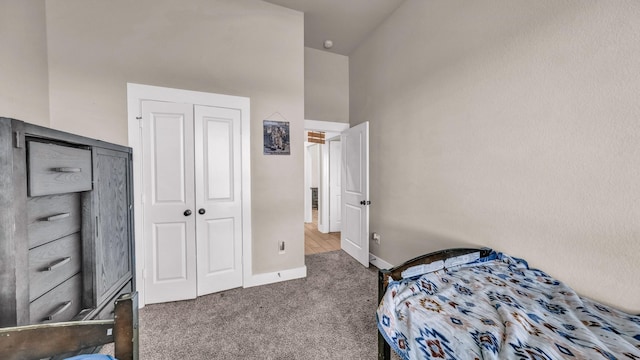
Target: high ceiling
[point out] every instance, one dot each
(345, 22)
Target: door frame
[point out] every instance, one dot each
(323, 193)
(308, 217)
(136, 93)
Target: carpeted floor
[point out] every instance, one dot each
(328, 315)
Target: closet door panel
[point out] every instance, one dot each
(169, 202)
(218, 198)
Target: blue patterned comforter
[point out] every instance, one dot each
(499, 308)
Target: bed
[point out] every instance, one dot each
(483, 304)
(66, 339)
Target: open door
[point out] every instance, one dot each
(355, 192)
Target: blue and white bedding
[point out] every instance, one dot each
(498, 308)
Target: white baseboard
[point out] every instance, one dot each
(274, 277)
(378, 262)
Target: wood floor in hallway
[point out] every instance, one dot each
(316, 242)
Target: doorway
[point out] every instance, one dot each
(322, 188)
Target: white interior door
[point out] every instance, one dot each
(355, 192)
(335, 188)
(218, 198)
(169, 200)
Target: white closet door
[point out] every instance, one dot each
(169, 201)
(218, 198)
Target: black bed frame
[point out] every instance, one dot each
(384, 275)
(32, 342)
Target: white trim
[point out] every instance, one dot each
(323, 190)
(277, 276)
(136, 93)
(328, 126)
(333, 160)
(379, 263)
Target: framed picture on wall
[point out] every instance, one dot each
(276, 137)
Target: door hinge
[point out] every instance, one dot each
(18, 144)
(140, 123)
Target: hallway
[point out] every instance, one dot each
(316, 242)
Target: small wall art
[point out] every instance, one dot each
(276, 137)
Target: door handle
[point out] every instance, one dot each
(202, 211)
(365, 202)
(187, 212)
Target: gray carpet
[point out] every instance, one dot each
(330, 314)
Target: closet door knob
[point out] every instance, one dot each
(187, 212)
(202, 211)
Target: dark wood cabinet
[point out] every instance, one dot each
(66, 225)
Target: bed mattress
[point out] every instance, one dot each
(497, 307)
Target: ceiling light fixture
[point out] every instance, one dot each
(328, 44)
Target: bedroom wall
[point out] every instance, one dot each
(509, 124)
(326, 86)
(238, 47)
(24, 89)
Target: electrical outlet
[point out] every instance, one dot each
(376, 237)
(281, 247)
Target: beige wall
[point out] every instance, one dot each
(326, 86)
(510, 124)
(24, 88)
(241, 47)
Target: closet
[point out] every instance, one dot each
(66, 225)
(192, 199)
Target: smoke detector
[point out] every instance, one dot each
(328, 44)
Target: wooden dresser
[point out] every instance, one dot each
(66, 225)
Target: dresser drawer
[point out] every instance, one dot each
(56, 169)
(53, 263)
(52, 217)
(60, 304)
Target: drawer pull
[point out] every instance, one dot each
(67, 170)
(59, 310)
(58, 217)
(59, 263)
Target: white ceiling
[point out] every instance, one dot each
(345, 22)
